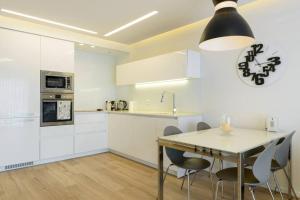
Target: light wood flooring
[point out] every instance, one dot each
(100, 177)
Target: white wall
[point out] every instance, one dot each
(94, 79)
(221, 91)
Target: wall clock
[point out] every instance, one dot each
(260, 65)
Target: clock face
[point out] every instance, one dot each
(260, 65)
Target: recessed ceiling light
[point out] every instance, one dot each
(48, 21)
(132, 23)
(92, 46)
(81, 44)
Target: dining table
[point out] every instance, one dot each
(234, 146)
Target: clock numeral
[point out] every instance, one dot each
(257, 48)
(275, 60)
(250, 57)
(258, 79)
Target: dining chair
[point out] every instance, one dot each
(257, 176)
(280, 162)
(204, 126)
(177, 158)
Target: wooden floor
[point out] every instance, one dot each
(104, 176)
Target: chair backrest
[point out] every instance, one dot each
(262, 165)
(176, 156)
(202, 126)
(283, 150)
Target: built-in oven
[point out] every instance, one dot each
(57, 109)
(57, 82)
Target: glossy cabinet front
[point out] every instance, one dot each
(19, 140)
(19, 74)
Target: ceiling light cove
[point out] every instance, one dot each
(48, 21)
(131, 23)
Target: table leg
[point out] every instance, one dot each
(240, 181)
(160, 172)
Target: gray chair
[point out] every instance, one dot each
(178, 159)
(280, 162)
(204, 126)
(257, 176)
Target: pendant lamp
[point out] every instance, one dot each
(227, 30)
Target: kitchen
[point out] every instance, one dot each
(52, 129)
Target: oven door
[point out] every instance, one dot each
(56, 82)
(55, 112)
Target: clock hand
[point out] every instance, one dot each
(263, 63)
(257, 63)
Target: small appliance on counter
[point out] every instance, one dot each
(272, 124)
(119, 105)
(122, 105)
(110, 105)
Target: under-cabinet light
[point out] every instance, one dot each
(174, 82)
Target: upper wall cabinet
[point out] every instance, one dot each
(57, 55)
(175, 65)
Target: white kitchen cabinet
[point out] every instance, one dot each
(90, 131)
(120, 133)
(135, 136)
(56, 141)
(57, 55)
(19, 74)
(176, 65)
(19, 140)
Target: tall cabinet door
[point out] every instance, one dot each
(57, 55)
(19, 140)
(19, 74)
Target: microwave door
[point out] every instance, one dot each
(56, 82)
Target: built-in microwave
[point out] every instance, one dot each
(57, 82)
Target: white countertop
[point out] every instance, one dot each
(156, 114)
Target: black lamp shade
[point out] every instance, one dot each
(227, 30)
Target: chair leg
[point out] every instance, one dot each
(217, 189)
(167, 172)
(277, 185)
(212, 183)
(252, 193)
(222, 187)
(270, 191)
(290, 183)
(234, 185)
(194, 176)
(212, 165)
(188, 177)
(183, 179)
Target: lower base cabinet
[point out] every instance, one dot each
(90, 131)
(56, 141)
(136, 136)
(87, 135)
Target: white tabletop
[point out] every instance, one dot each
(238, 141)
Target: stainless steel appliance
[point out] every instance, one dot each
(57, 109)
(57, 82)
(122, 105)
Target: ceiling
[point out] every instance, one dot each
(104, 16)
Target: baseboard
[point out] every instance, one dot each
(57, 159)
